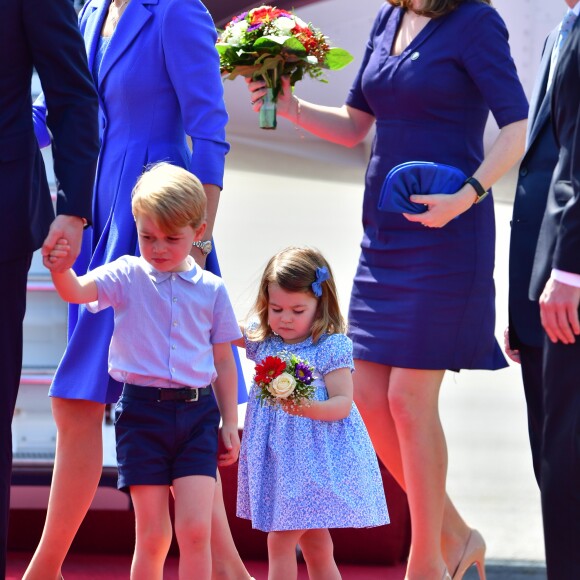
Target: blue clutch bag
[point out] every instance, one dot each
(417, 178)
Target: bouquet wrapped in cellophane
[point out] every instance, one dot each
(284, 377)
(267, 42)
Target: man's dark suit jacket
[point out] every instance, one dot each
(43, 34)
(535, 176)
(559, 242)
(559, 247)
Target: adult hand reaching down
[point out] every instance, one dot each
(559, 311)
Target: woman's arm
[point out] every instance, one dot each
(504, 153)
(212, 193)
(338, 405)
(342, 125)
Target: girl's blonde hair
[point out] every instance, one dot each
(295, 269)
(171, 196)
(432, 8)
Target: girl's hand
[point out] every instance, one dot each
(441, 207)
(257, 88)
(295, 408)
(231, 440)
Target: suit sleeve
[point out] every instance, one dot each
(192, 62)
(567, 252)
(59, 57)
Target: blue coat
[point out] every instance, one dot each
(158, 82)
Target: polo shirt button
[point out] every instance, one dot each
(523, 171)
(175, 323)
(173, 347)
(175, 299)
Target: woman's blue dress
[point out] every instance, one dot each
(424, 298)
(158, 81)
(297, 473)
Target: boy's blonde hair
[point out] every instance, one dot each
(171, 196)
(294, 269)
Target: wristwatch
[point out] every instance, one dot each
(479, 191)
(205, 246)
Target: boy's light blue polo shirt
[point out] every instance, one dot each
(165, 322)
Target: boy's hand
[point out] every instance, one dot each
(59, 251)
(231, 441)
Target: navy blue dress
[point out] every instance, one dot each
(424, 298)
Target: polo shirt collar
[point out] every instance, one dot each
(192, 275)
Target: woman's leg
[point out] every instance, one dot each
(282, 563)
(413, 400)
(318, 552)
(193, 512)
(77, 470)
(225, 559)
(371, 387)
(152, 531)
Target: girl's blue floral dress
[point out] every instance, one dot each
(297, 473)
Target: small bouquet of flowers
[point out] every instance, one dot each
(284, 376)
(268, 42)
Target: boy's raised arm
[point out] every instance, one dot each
(73, 289)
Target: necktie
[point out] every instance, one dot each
(565, 29)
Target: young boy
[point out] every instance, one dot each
(173, 327)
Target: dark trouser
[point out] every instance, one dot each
(531, 359)
(560, 468)
(12, 308)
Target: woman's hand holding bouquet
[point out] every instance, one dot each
(269, 43)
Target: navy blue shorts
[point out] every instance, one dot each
(160, 441)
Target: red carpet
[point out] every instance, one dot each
(111, 567)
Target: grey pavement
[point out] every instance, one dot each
(490, 478)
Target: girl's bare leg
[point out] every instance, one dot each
(153, 531)
(318, 552)
(282, 563)
(225, 559)
(371, 382)
(77, 470)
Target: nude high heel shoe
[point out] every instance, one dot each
(473, 553)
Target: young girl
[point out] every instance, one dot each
(305, 467)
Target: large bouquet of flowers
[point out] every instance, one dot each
(284, 376)
(268, 42)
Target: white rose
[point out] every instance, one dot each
(283, 24)
(282, 386)
(235, 33)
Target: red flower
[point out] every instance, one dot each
(308, 39)
(269, 369)
(265, 14)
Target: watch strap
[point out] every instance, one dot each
(479, 189)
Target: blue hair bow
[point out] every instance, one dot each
(321, 275)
